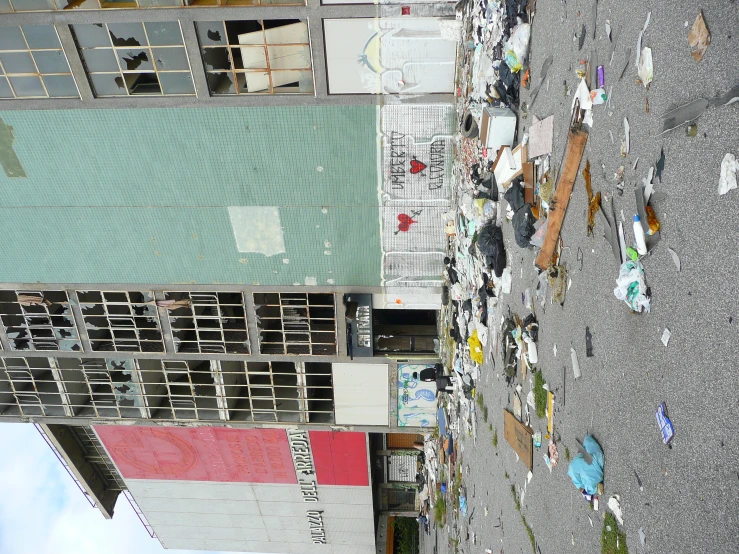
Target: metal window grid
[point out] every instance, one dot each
(39, 320)
(121, 321)
(213, 322)
(130, 80)
(53, 5)
(296, 323)
(35, 83)
(224, 64)
(32, 387)
(172, 390)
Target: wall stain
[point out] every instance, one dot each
(8, 158)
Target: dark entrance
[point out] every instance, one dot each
(404, 331)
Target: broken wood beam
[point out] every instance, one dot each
(576, 142)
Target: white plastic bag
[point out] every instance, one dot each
(631, 287)
(727, 181)
(517, 47)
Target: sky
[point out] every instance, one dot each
(42, 510)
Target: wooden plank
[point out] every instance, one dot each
(528, 182)
(520, 438)
(558, 206)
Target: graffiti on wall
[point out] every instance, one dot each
(417, 158)
(416, 399)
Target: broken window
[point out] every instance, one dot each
(52, 5)
(102, 388)
(256, 57)
(208, 322)
(29, 387)
(129, 59)
(39, 320)
(33, 64)
(296, 323)
(121, 321)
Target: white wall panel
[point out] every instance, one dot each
(361, 394)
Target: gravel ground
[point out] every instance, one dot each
(690, 501)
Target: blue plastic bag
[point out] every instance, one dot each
(584, 475)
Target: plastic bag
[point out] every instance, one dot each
(631, 287)
(517, 47)
(475, 348)
(584, 475)
(727, 181)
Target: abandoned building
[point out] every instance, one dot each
(225, 225)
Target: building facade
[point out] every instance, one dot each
(224, 230)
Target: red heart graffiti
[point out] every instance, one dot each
(416, 166)
(405, 222)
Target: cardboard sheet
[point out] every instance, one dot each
(520, 438)
(540, 137)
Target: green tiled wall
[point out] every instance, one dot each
(141, 196)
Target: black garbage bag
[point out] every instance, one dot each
(490, 244)
(523, 218)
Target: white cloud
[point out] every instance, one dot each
(44, 512)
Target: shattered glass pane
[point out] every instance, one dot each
(221, 83)
(211, 32)
(127, 34)
(164, 33)
(108, 85)
(135, 59)
(216, 58)
(168, 59)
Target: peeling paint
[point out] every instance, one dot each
(8, 158)
(257, 229)
(311, 281)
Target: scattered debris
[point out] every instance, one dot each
(666, 336)
(614, 504)
(646, 67)
(631, 287)
(638, 481)
(626, 141)
(727, 181)
(586, 468)
(699, 38)
(675, 258)
(588, 343)
(665, 425)
(639, 39)
(575, 363)
(642, 537)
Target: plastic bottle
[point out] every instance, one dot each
(641, 245)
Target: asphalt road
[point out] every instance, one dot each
(690, 501)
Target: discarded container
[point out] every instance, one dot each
(601, 77)
(641, 245)
(665, 425)
(532, 352)
(631, 253)
(497, 128)
(517, 47)
(598, 96)
(691, 130)
(575, 364)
